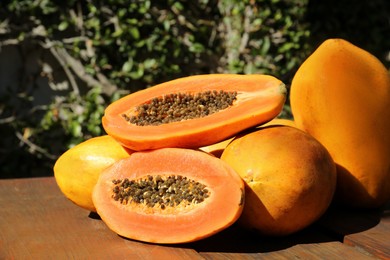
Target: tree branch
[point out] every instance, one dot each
(35, 147)
(67, 61)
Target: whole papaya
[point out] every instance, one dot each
(218, 148)
(341, 96)
(290, 178)
(77, 170)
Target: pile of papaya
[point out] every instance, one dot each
(187, 158)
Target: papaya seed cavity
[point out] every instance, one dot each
(180, 106)
(160, 191)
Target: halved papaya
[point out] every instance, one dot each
(194, 111)
(169, 195)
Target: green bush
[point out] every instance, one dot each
(94, 52)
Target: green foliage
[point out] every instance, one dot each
(106, 49)
(78, 116)
(267, 37)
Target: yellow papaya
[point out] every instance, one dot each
(217, 148)
(77, 170)
(341, 96)
(280, 121)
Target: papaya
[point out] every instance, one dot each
(290, 179)
(280, 121)
(341, 96)
(169, 196)
(77, 170)
(193, 111)
(217, 148)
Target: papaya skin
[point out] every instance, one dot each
(290, 179)
(280, 121)
(77, 170)
(260, 98)
(217, 148)
(341, 96)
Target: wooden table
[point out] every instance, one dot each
(38, 222)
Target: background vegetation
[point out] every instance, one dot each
(90, 53)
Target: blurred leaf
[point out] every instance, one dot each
(149, 63)
(128, 65)
(134, 32)
(63, 25)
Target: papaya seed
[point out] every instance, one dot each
(180, 106)
(164, 191)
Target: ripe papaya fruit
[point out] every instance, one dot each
(194, 111)
(280, 121)
(341, 96)
(77, 170)
(217, 148)
(290, 178)
(169, 196)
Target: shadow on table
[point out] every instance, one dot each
(237, 240)
(332, 227)
(336, 223)
(341, 221)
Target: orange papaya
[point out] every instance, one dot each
(290, 178)
(341, 96)
(193, 111)
(169, 196)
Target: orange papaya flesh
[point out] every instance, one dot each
(259, 98)
(77, 170)
(163, 222)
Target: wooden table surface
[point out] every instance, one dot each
(38, 222)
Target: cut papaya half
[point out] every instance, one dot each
(194, 111)
(169, 196)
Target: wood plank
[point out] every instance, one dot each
(330, 250)
(38, 222)
(367, 230)
(311, 243)
(375, 240)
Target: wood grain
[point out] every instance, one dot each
(38, 222)
(364, 230)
